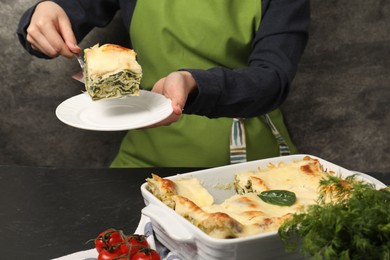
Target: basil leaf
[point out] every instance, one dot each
(278, 197)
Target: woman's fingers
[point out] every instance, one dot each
(171, 88)
(47, 40)
(50, 31)
(68, 36)
(176, 86)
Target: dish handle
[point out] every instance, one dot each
(169, 224)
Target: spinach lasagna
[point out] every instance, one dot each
(111, 71)
(244, 213)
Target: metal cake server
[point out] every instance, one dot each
(79, 76)
(80, 60)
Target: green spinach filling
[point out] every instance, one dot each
(119, 84)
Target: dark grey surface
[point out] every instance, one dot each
(59, 210)
(338, 108)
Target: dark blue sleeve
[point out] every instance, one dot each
(264, 84)
(84, 15)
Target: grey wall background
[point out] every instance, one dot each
(338, 108)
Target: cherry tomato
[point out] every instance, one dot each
(107, 255)
(99, 244)
(110, 240)
(146, 254)
(115, 240)
(134, 244)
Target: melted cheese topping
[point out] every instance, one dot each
(301, 177)
(110, 59)
(194, 191)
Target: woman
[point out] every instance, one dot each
(227, 65)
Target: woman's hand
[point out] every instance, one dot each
(50, 31)
(176, 86)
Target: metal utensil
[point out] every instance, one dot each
(79, 76)
(80, 60)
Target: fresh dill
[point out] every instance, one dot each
(351, 220)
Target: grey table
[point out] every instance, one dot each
(48, 212)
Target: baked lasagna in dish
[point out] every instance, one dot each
(111, 71)
(263, 199)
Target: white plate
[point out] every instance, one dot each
(129, 112)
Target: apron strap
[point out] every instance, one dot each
(238, 142)
(283, 147)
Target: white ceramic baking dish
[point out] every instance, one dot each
(189, 242)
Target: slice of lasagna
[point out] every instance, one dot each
(244, 213)
(111, 71)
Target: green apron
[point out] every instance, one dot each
(172, 34)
